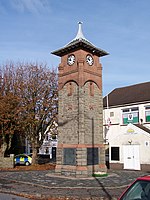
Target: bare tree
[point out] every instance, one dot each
(28, 102)
(9, 103)
(37, 89)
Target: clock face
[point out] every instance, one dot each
(71, 59)
(89, 60)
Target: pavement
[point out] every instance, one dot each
(4, 196)
(47, 185)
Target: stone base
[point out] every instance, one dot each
(79, 171)
(80, 160)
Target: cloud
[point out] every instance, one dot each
(32, 6)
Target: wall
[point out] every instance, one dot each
(118, 135)
(7, 162)
(116, 125)
(117, 118)
(80, 130)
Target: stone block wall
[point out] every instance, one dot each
(7, 162)
(93, 119)
(80, 130)
(80, 115)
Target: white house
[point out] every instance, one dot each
(126, 122)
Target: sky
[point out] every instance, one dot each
(31, 29)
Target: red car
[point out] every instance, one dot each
(138, 190)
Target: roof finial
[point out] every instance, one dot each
(79, 33)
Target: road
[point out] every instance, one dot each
(11, 197)
(45, 184)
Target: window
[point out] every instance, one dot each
(115, 153)
(139, 190)
(111, 114)
(130, 115)
(147, 113)
(125, 110)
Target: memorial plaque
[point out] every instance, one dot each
(69, 156)
(92, 156)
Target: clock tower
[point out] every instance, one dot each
(80, 150)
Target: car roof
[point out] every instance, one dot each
(22, 154)
(145, 178)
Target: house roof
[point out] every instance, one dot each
(128, 95)
(80, 42)
(143, 128)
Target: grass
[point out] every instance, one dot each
(99, 174)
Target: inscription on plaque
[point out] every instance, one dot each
(69, 156)
(92, 156)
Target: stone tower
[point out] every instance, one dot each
(80, 150)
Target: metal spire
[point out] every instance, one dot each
(79, 33)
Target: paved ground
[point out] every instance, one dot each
(11, 197)
(46, 185)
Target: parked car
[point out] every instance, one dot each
(22, 159)
(138, 190)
